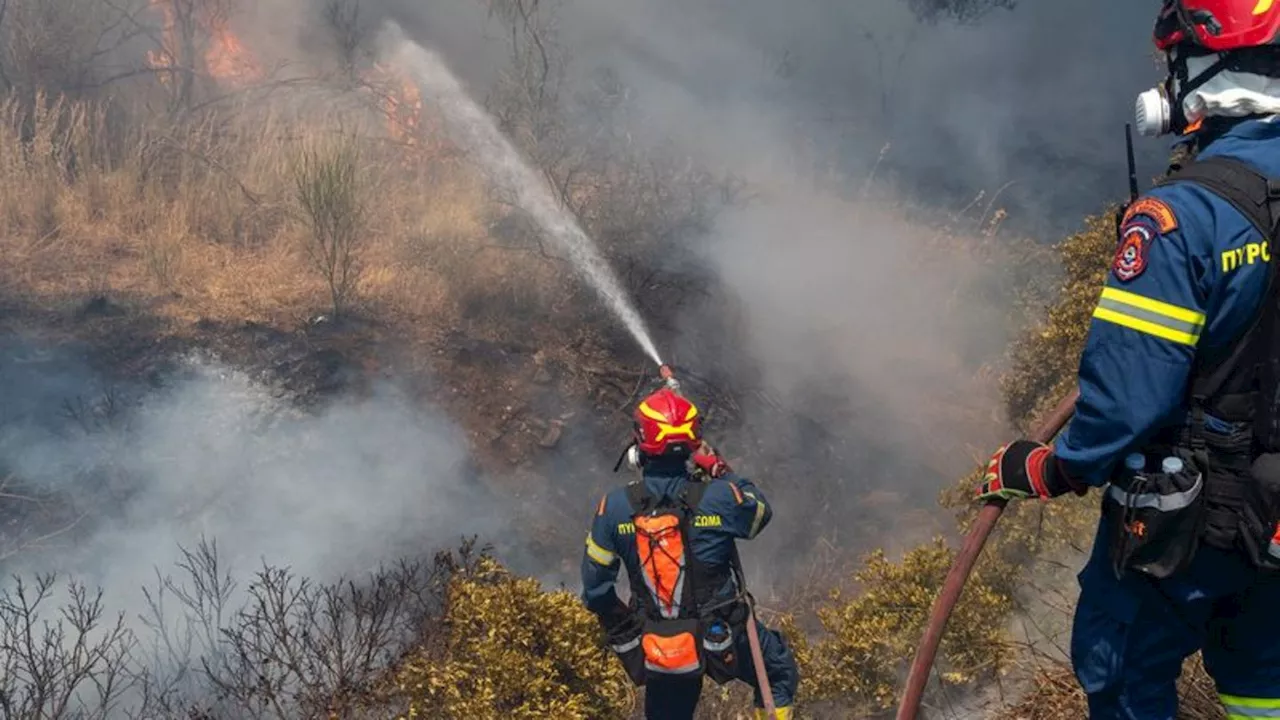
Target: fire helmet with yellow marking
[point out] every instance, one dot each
(667, 425)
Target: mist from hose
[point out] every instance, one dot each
(477, 132)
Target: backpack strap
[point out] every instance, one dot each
(1257, 198)
(639, 496)
(686, 505)
(1253, 194)
(691, 496)
(696, 580)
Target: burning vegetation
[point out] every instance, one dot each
(196, 38)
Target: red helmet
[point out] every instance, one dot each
(667, 423)
(1218, 25)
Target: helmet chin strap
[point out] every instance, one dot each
(1181, 85)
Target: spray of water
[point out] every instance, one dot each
(478, 132)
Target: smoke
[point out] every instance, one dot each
(214, 454)
(849, 120)
(843, 307)
(1034, 97)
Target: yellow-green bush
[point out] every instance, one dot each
(1046, 357)
(512, 650)
(869, 635)
(873, 635)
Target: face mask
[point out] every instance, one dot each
(1174, 105)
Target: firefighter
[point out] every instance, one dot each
(1177, 414)
(686, 587)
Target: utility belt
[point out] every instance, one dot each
(1206, 488)
(683, 647)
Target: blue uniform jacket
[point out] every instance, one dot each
(1188, 276)
(732, 508)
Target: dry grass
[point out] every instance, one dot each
(196, 220)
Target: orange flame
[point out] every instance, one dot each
(164, 57)
(401, 101)
(226, 59)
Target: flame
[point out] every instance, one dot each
(401, 102)
(164, 57)
(226, 59)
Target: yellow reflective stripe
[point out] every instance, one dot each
(1153, 317)
(755, 523)
(1245, 708)
(1155, 306)
(1249, 702)
(1145, 326)
(599, 554)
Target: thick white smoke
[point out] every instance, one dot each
(215, 454)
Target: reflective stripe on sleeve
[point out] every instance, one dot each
(599, 554)
(755, 522)
(1151, 317)
(1243, 708)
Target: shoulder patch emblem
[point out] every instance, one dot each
(1154, 208)
(1131, 256)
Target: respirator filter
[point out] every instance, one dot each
(1153, 115)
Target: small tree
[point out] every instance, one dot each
(330, 192)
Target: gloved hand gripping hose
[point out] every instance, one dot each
(963, 565)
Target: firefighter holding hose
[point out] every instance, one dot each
(675, 531)
(1178, 419)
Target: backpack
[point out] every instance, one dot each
(682, 633)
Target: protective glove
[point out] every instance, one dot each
(709, 461)
(1024, 469)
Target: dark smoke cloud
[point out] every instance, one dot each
(1035, 96)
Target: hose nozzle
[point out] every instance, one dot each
(668, 377)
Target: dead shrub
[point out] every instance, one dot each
(329, 190)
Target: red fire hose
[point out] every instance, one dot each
(960, 570)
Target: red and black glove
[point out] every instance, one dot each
(709, 461)
(1024, 469)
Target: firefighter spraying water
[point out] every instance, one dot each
(675, 531)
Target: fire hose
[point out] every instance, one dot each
(757, 659)
(963, 565)
(667, 373)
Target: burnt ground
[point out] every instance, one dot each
(545, 425)
(534, 424)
